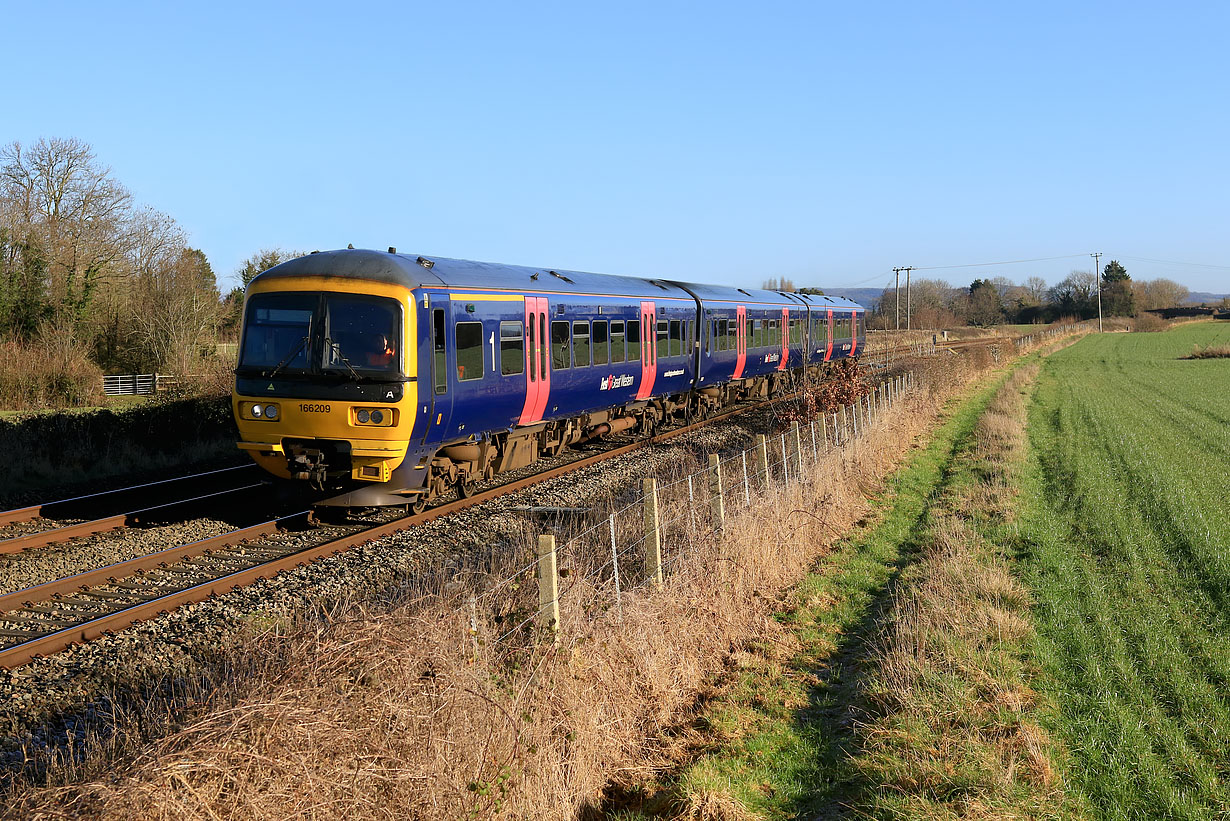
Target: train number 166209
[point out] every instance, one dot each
(309, 407)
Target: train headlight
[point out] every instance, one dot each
(377, 417)
(363, 416)
(271, 412)
(256, 411)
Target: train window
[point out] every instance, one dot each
(580, 344)
(512, 348)
(599, 342)
(278, 327)
(796, 332)
(469, 336)
(663, 349)
(617, 340)
(732, 330)
(748, 329)
(721, 334)
(676, 338)
(691, 335)
(758, 333)
(560, 356)
(633, 335)
(439, 358)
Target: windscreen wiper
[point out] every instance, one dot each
(289, 357)
(337, 351)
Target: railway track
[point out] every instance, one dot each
(50, 617)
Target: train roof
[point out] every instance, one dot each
(415, 271)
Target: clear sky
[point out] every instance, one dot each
(707, 141)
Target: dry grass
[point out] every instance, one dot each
(1149, 323)
(398, 708)
(953, 724)
(1209, 352)
(50, 372)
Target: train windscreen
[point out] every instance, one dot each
(351, 335)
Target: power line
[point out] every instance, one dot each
(983, 265)
(1173, 262)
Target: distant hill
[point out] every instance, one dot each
(863, 296)
(1198, 297)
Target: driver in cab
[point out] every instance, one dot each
(380, 351)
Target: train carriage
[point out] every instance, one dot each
(389, 378)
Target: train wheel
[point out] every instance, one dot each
(465, 486)
(418, 505)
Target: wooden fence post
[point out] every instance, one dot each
(798, 451)
(653, 536)
(762, 457)
(715, 479)
(548, 586)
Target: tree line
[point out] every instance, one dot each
(93, 281)
(997, 300)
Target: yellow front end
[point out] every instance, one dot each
(376, 433)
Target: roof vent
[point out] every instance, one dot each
(313, 252)
(740, 290)
(392, 249)
(350, 246)
(426, 263)
(659, 284)
(561, 276)
(534, 275)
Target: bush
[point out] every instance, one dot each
(1149, 323)
(52, 371)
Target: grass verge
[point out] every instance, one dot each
(898, 688)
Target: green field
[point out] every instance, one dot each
(1125, 540)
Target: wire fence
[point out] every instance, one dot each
(583, 573)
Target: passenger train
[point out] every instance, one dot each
(390, 379)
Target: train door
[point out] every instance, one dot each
(781, 366)
(649, 349)
(740, 340)
(440, 407)
(828, 337)
(853, 332)
(537, 363)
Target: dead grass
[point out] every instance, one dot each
(402, 710)
(395, 708)
(1209, 352)
(953, 726)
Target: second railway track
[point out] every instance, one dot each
(52, 616)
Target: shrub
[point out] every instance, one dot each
(51, 371)
(1149, 323)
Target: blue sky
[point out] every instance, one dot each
(710, 141)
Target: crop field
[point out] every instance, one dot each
(1125, 542)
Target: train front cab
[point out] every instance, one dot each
(342, 400)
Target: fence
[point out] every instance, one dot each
(131, 384)
(640, 541)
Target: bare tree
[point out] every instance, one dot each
(62, 202)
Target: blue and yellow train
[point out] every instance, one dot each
(390, 379)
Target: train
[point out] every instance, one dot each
(382, 378)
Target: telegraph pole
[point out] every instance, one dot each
(1097, 281)
(897, 297)
(897, 293)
